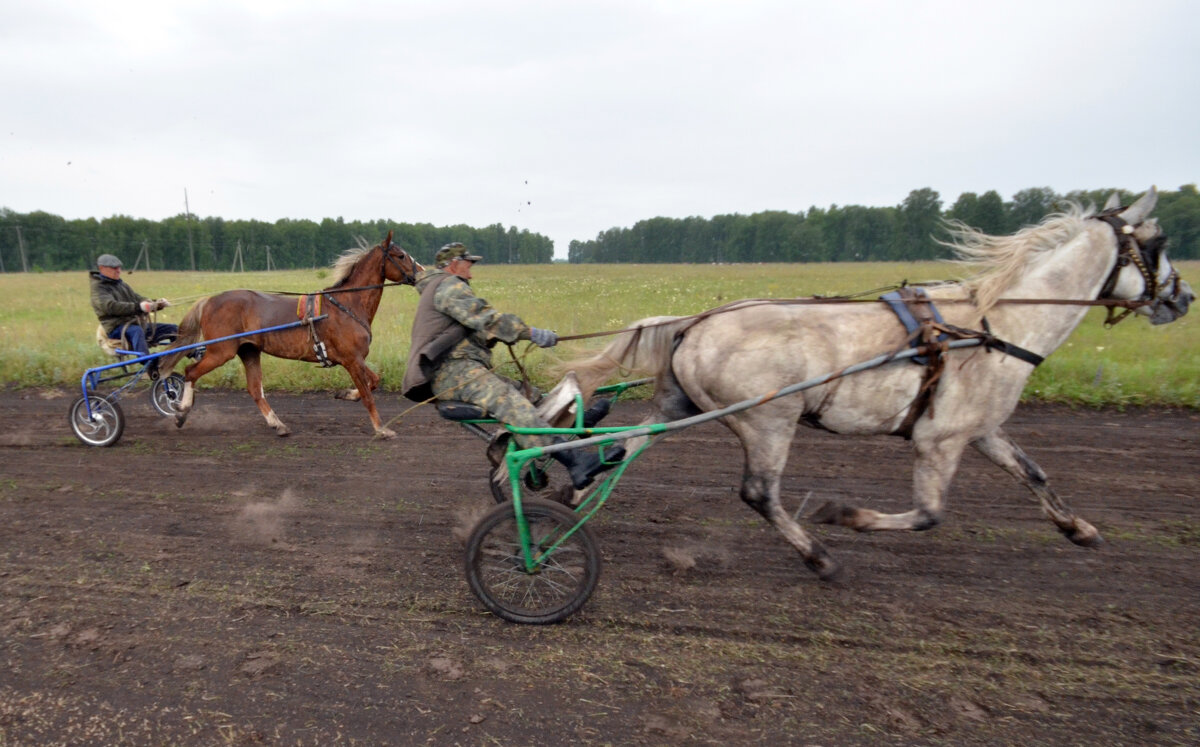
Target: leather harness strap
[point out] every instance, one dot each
(308, 309)
(929, 333)
(351, 314)
(387, 256)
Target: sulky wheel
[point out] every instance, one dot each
(556, 588)
(165, 394)
(105, 424)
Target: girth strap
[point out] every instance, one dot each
(308, 309)
(928, 332)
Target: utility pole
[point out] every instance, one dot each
(237, 258)
(268, 257)
(144, 252)
(21, 243)
(188, 212)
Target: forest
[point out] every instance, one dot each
(40, 241)
(852, 233)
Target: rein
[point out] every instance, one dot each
(1129, 250)
(409, 278)
(351, 314)
(817, 300)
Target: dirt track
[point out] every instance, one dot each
(218, 584)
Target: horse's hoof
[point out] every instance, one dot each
(824, 566)
(1083, 534)
(180, 419)
(831, 513)
(385, 433)
(282, 431)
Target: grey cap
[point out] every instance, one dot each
(108, 260)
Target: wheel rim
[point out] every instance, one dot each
(166, 394)
(102, 427)
(552, 591)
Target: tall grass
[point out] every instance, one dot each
(48, 327)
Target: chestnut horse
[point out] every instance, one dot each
(344, 337)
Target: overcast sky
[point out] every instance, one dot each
(569, 118)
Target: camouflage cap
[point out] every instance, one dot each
(451, 252)
(108, 260)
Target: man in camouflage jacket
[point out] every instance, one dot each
(451, 356)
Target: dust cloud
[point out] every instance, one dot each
(264, 522)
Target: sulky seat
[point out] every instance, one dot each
(109, 345)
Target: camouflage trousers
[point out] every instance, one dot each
(470, 381)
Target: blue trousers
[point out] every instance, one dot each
(137, 339)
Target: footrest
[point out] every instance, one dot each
(452, 409)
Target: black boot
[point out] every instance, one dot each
(584, 464)
(596, 412)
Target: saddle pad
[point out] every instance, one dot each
(308, 307)
(898, 301)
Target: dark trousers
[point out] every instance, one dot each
(137, 339)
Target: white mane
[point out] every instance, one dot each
(344, 264)
(997, 262)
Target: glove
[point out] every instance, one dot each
(147, 306)
(543, 338)
(162, 303)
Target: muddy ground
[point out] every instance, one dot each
(218, 584)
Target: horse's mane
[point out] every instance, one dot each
(995, 263)
(344, 264)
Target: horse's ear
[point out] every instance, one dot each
(1140, 210)
(388, 240)
(1114, 201)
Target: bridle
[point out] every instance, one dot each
(408, 276)
(1145, 257)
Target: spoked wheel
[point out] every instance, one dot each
(105, 424)
(165, 394)
(552, 591)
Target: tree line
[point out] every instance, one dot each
(854, 233)
(42, 241)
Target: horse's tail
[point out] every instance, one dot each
(644, 347)
(189, 332)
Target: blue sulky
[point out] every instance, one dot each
(97, 419)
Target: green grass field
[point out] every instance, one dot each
(48, 326)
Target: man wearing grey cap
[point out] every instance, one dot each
(124, 313)
(451, 357)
